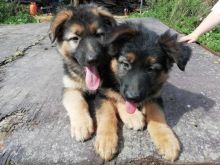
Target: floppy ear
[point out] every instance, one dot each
(122, 33)
(56, 25)
(107, 16)
(118, 37)
(176, 51)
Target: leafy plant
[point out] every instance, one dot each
(14, 13)
(19, 18)
(184, 16)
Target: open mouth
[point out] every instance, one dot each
(92, 78)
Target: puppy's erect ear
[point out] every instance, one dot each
(56, 25)
(176, 51)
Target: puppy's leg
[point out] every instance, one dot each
(134, 121)
(77, 108)
(161, 134)
(106, 136)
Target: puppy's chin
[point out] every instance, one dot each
(91, 92)
(148, 98)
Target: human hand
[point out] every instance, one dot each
(189, 38)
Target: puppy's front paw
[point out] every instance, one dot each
(106, 145)
(82, 127)
(167, 144)
(134, 121)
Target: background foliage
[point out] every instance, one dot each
(14, 13)
(184, 16)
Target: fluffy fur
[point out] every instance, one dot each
(80, 34)
(141, 64)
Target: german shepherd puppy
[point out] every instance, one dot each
(141, 64)
(80, 34)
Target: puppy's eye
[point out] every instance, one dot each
(75, 38)
(150, 69)
(101, 34)
(154, 67)
(125, 65)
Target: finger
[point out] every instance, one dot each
(183, 39)
(191, 41)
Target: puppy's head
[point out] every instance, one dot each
(80, 34)
(143, 60)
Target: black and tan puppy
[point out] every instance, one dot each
(80, 33)
(141, 64)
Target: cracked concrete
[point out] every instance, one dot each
(20, 52)
(11, 122)
(18, 37)
(33, 83)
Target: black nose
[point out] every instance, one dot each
(133, 96)
(92, 58)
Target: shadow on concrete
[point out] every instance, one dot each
(178, 101)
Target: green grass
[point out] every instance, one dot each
(20, 18)
(184, 16)
(14, 13)
(211, 39)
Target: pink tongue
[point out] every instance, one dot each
(92, 78)
(130, 107)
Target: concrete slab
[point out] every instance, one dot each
(34, 127)
(17, 37)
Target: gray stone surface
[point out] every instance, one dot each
(17, 37)
(34, 127)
